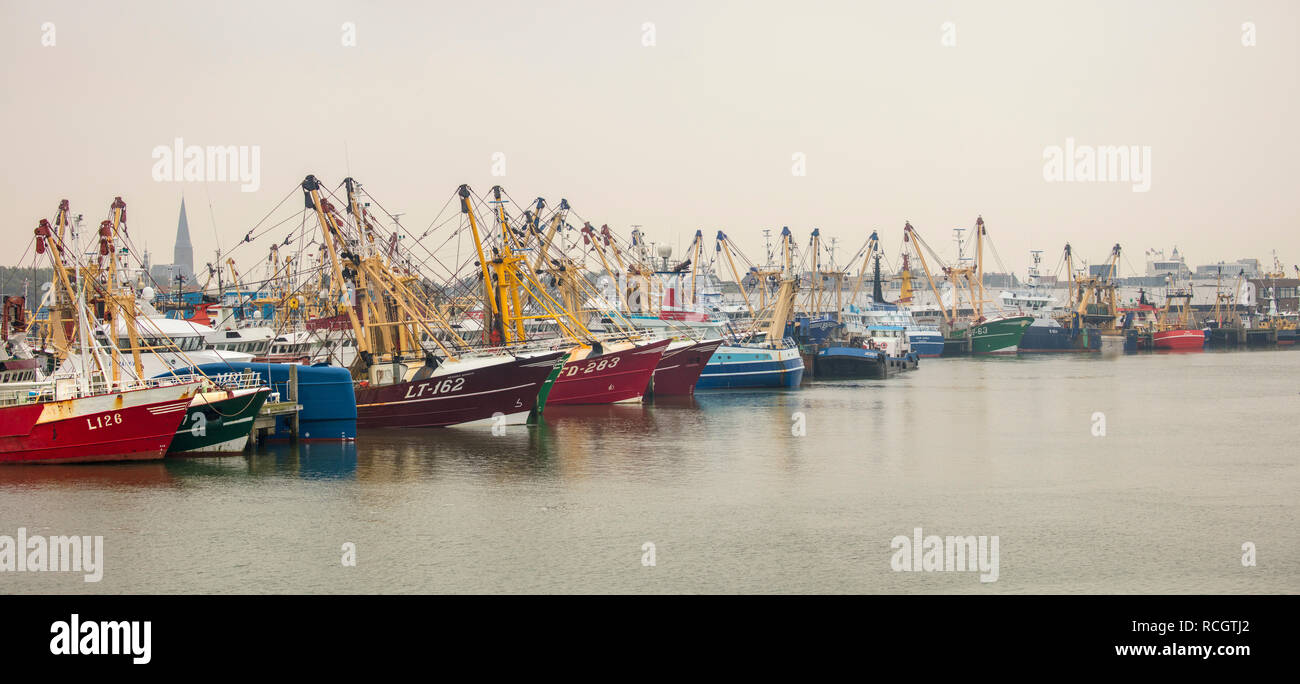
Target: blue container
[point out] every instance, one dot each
(329, 404)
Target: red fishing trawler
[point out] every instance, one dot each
(78, 419)
(680, 367)
(609, 373)
(1175, 332)
(130, 425)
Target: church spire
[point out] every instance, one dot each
(183, 257)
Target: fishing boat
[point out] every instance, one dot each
(1077, 328)
(851, 362)
(670, 311)
(880, 326)
(607, 373)
(713, 362)
(1174, 331)
(482, 390)
(926, 341)
(406, 375)
(678, 371)
(220, 418)
(979, 333)
(82, 418)
(1047, 334)
(753, 366)
(1179, 339)
(760, 358)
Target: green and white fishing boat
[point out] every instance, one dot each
(220, 418)
(998, 335)
(978, 333)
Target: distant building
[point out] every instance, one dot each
(182, 258)
(1229, 269)
(1159, 266)
(1286, 292)
(1102, 271)
(1000, 280)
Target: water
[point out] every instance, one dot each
(1199, 456)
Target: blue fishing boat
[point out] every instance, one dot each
(926, 343)
(752, 366)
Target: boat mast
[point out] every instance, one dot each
(815, 299)
(979, 268)
(910, 235)
(783, 306)
(123, 303)
(329, 233)
(724, 246)
(492, 328)
(873, 243)
(507, 278)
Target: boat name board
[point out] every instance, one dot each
(104, 421)
(448, 385)
(592, 367)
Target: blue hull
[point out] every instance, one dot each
(329, 404)
(751, 367)
(927, 348)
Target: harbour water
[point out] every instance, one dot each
(1197, 457)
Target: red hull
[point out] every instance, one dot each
(474, 395)
(1179, 340)
(679, 369)
(128, 426)
(608, 378)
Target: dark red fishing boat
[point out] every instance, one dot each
(467, 391)
(616, 372)
(680, 367)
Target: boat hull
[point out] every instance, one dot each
(742, 367)
(218, 422)
(999, 336)
(679, 369)
(850, 362)
(135, 425)
(926, 345)
(1179, 340)
(1039, 339)
(608, 378)
(504, 392)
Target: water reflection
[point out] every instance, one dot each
(112, 476)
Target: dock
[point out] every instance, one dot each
(265, 423)
(1235, 337)
(269, 417)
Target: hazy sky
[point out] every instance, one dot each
(696, 131)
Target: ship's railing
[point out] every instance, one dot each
(16, 396)
(245, 379)
(71, 389)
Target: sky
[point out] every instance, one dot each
(675, 116)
